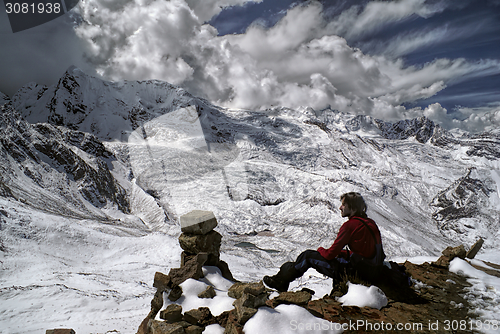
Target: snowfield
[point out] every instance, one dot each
(75, 256)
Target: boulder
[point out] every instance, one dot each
(191, 269)
(162, 327)
(300, 298)
(238, 289)
(250, 296)
(60, 331)
(162, 282)
(474, 249)
(449, 254)
(201, 315)
(198, 222)
(208, 293)
(453, 252)
(157, 302)
(252, 301)
(232, 325)
(193, 329)
(224, 269)
(243, 314)
(173, 313)
(175, 293)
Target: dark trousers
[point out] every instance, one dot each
(289, 271)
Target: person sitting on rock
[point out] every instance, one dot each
(365, 255)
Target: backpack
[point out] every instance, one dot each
(396, 275)
(369, 268)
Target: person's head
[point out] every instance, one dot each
(353, 204)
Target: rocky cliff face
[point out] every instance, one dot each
(486, 144)
(465, 202)
(42, 161)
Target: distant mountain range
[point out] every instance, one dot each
(143, 153)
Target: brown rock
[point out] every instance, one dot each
(290, 297)
(208, 293)
(198, 316)
(192, 269)
(224, 269)
(221, 319)
(185, 257)
(193, 329)
(60, 331)
(162, 327)
(162, 282)
(232, 325)
(474, 249)
(198, 222)
(157, 302)
(449, 254)
(175, 293)
(173, 313)
(243, 314)
(208, 243)
(249, 300)
(143, 327)
(442, 262)
(238, 289)
(453, 252)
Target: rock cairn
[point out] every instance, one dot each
(199, 239)
(201, 246)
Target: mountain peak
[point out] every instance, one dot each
(109, 110)
(422, 128)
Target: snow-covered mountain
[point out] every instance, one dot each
(281, 171)
(128, 158)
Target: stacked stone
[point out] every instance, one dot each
(198, 237)
(201, 245)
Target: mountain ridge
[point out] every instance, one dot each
(278, 170)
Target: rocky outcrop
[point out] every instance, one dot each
(449, 254)
(421, 128)
(467, 197)
(56, 160)
(436, 297)
(472, 252)
(486, 144)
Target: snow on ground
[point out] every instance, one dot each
(96, 277)
(483, 295)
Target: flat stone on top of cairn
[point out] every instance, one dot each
(198, 222)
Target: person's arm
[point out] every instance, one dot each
(342, 239)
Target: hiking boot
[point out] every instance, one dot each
(275, 283)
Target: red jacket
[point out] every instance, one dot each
(354, 234)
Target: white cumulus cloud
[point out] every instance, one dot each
(301, 61)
